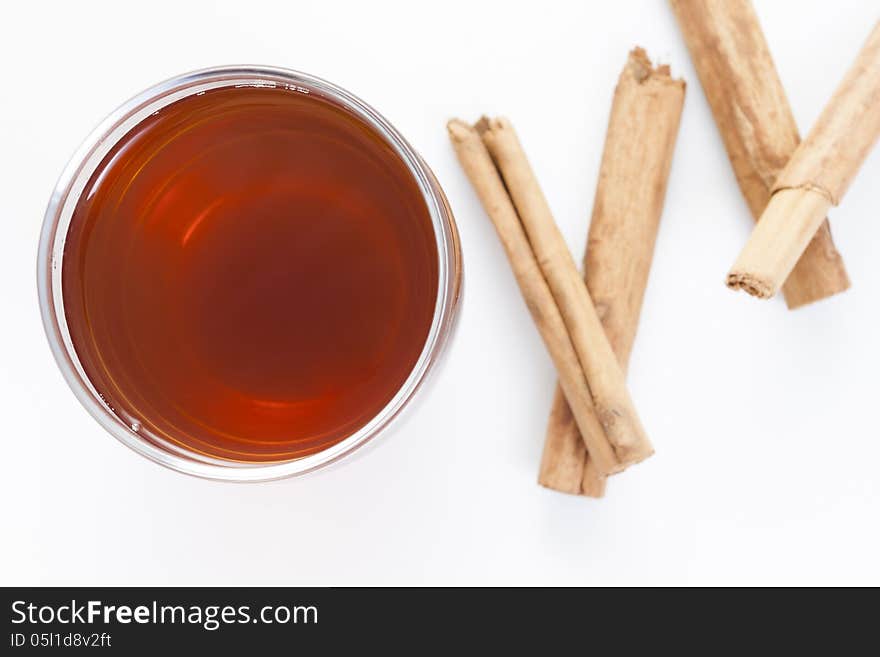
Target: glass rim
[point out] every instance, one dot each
(80, 168)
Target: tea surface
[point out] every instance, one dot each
(251, 273)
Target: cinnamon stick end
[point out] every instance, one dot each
(750, 284)
(639, 66)
(592, 483)
(458, 130)
(800, 296)
(635, 454)
(596, 490)
(490, 128)
(482, 125)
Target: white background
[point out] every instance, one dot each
(764, 420)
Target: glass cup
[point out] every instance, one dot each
(66, 195)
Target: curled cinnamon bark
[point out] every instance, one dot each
(605, 378)
(752, 112)
(639, 145)
(487, 182)
(815, 178)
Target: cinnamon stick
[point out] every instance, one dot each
(752, 112)
(486, 180)
(604, 376)
(815, 178)
(639, 144)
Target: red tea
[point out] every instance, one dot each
(251, 273)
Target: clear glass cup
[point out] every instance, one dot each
(57, 220)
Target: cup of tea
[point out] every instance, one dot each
(246, 273)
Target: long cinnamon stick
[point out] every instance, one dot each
(815, 178)
(486, 180)
(605, 378)
(639, 144)
(752, 112)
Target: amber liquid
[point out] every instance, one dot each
(251, 274)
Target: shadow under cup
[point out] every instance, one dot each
(247, 273)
